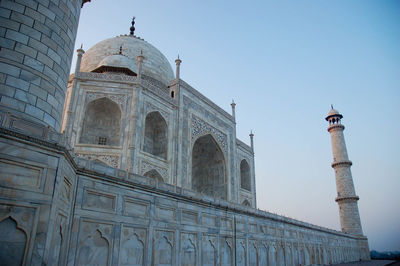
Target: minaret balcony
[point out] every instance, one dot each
(341, 164)
(349, 198)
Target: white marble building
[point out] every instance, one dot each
(137, 168)
(129, 111)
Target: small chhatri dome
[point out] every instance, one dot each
(332, 113)
(155, 65)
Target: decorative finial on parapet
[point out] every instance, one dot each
(178, 68)
(233, 104)
(139, 64)
(251, 140)
(132, 28)
(80, 53)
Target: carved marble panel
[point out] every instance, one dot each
(263, 255)
(120, 99)
(58, 240)
(149, 107)
(21, 175)
(165, 213)
(95, 200)
(16, 225)
(189, 249)
(136, 208)
(253, 228)
(95, 242)
(111, 160)
(209, 220)
(163, 251)
(240, 225)
(200, 128)
(253, 256)
(66, 190)
(105, 76)
(146, 166)
(189, 217)
(226, 223)
(209, 250)
(13, 242)
(133, 246)
(241, 252)
(226, 252)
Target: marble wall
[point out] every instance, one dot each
(56, 208)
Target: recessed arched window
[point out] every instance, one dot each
(208, 168)
(102, 123)
(245, 180)
(154, 174)
(155, 135)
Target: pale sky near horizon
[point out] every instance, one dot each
(284, 63)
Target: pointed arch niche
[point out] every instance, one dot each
(208, 167)
(155, 135)
(12, 242)
(154, 174)
(245, 180)
(102, 123)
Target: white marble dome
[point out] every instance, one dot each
(155, 64)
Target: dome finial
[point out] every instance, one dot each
(132, 28)
(331, 106)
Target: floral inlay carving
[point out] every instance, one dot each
(107, 77)
(200, 128)
(149, 107)
(146, 166)
(111, 160)
(120, 99)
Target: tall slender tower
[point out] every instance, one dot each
(346, 195)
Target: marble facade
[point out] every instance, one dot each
(122, 175)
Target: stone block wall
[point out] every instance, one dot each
(37, 40)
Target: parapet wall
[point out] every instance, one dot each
(73, 211)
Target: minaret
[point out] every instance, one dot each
(346, 195)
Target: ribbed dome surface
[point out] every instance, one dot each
(154, 65)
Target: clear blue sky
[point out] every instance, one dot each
(284, 63)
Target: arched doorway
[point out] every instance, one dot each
(102, 123)
(208, 167)
(155, 135)
(245, 180)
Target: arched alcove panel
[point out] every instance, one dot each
(245, 180)
(12, 243)
(155, 135)
(102, 123)
(208, 167)
(154, 174)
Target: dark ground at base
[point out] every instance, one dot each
(371, 263)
